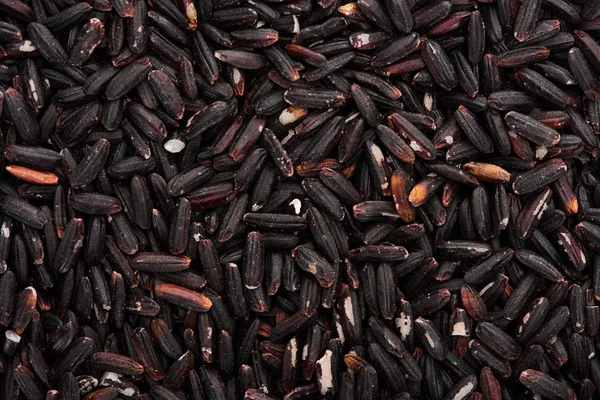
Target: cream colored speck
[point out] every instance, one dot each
(526, 317)
(287, 117)
(349, 310)
(415, 146)
(362, 39)
(459, 329)
(33, 90)
(486, 288)
(541, 206)
(12, 336)
(377, 153)
(430, 340)
(404, 323)
(338, 327)
(108, 378)
(291, 134)
(297, 204)
(27, 46)
(428, 101)
(351, 117)
(325, 381)
(566, 237)
(174, 145)
(294, 351)
(541, 152)
(5, 230)
(237, 75)
(191, 9)
(464, 392)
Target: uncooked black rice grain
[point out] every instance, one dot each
(285, 199)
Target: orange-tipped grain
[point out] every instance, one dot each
(423, 190)
(401, 185)
(522, 57)
(312, 169)
(24, 309)
(473, 303)
(191, 14)
(183, 297)
(566, 196)
(354, 362)
(292, 114)
(33, 175)
(351, 10)
(488, 172)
